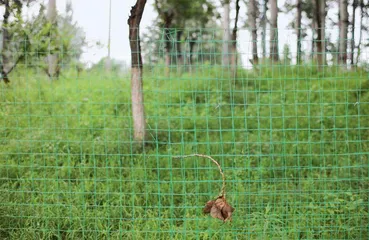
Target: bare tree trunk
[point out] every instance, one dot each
(179, 52)
(361, 31)
(253, 14)
(5, 41)
(298, 30)
(343, 33)
(179, 47)
(138, 113)
(168, 17)
(263, 23)
(274, 51)
(226, 33)
(354, 6)
(319, 7)
(52, 58)
(322, 14)
(192, 46)
(234, 41)
(313, 47)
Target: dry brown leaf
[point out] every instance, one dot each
(208, 206)
(219, 209)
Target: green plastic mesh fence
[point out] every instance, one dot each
(291, 139)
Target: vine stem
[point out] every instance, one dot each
(222, 191)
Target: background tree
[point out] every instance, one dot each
(12, 32)
(355, 4)
(362, 28)
(343, 29)
(234, 41)
(65, 39)
(253, 13)
(52, 60)
(274, 51)
(189, 19)
(298, 30)
(138, 112)
(165, 9)
(226, 32)
(263, 23)
(319, 17)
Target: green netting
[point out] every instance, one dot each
(292, 140)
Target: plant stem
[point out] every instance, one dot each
(222, 191)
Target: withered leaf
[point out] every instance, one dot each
(219, 209)
(208, 206)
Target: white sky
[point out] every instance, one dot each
(93, 17)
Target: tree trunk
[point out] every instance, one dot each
(361, 31)
(168, 18)
(322, 15)
(343, 32)
(263, 23)
(138, 113)
(52, 58)
(226, 34)
(192, 46)
(5, 41)
(179, 48)
(234, 41)
(179, 52)
(298, 30)
(354, 6)
(274, 31)
(253, 14)
(313, 47)
(319, 7)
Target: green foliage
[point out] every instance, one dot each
(65, 38)
(292, 142)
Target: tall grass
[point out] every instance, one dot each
(293, 142)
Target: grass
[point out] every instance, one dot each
(292, 141)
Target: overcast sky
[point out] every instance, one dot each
(93, 17)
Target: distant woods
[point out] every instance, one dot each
(187, 34)
(191, 33)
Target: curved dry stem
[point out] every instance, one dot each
(222, 191)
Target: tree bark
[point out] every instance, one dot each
(274, 51)
(179, 47)
(234, 41)
(298, 30)
(168, 18)
(361, 31)
(343, 32)
(319, 7)
(52, 58)
(313, 47)
(226, 34)
(5, 41)
(192, 44)
(253, 14)
(138, 113)
(179, 51)
(322, 15)
(354, 6)
(263, 23)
